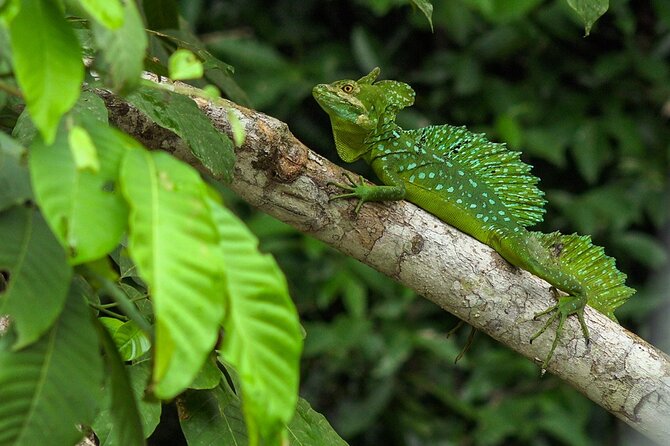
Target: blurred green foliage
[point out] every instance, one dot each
(591, 114)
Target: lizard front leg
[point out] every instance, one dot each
(365, 192)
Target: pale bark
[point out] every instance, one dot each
(280, 176)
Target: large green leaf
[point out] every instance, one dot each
(215, 417)
(122, 49)
(14, 176)
(39, 275)
(50, 387)
(182, 116)
(118, 423)
(105, 424)
(82, 204)
(263, 340)
(173, 241)
(212, 417)
(107, 12)
(47, 63)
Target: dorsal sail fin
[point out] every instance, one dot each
(499, 167)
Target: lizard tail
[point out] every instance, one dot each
(574, 255)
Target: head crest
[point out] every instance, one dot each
(398, 94)
(370, 77)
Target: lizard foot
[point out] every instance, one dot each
(354, 190)
(566, 306)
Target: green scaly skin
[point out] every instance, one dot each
(480, 187)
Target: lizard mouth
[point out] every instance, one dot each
(338, 104)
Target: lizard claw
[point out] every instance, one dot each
(352, 189)
(566, 306)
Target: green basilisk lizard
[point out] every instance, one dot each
(480, 187)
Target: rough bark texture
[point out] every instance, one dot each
(280, 176)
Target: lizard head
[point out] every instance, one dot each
(358, 109)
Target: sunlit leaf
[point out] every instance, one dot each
(184, 65)
(173, 241)
(131, 341)
(83, 150)
(47, 63)
(239, 133)
(263, 340)
(39, 275)
(50, 387)
(122, 49)
(84, 208)
(108, 12)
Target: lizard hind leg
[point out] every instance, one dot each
(566, 306)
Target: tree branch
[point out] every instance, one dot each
(280, 176)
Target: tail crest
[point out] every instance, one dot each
(603, 283)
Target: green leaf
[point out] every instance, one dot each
(53, 385)
(173, 241)
(263, 339)
(83, 150)
(119, 421)
(131, 341)
(184, 65)
(215, 417)
(47, 63)
(111, 324)
(83, 208)
(39, 275)
(122, 50)
(427, 8)
(309, 428)
(239, 133)
(216, 71)
(111, 419)
(8, 10)
(209, 376)
(14, 177)
(107, 12)
(212, 417)
(589, 11)
(182, 116)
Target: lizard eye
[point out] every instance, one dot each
(347, 88)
